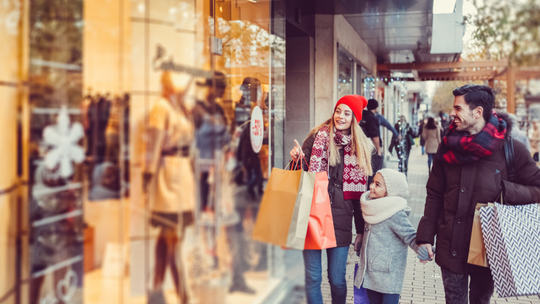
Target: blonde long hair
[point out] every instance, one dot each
(361, 146)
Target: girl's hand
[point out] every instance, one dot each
(296, 151)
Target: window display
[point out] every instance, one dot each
(146, 163)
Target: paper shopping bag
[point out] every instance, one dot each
(320, 231)
(477, 248)
(360, 295)
(512, 238)
(284, 213)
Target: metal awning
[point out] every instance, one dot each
(397, 31)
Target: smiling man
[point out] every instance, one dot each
(469, 168)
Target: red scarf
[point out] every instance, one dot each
(462, 148)
(354, 179)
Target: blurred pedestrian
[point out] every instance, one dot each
(420, 130)
(383, 122)
(445, 123)
(339, 147)
(370, 126)
(470, 167)
(403, 147)
(535, 140)
(518, 134)
(432, 138)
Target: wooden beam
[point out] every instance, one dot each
(522, 75)
(484, 75)
(440, 65)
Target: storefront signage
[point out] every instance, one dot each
(256, 129)
(160, 63)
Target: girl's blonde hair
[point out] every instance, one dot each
(360, 145)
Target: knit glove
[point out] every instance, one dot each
(423, 253)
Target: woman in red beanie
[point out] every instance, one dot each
(339, 147)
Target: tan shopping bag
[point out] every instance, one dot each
(477, 248)
(284, 213)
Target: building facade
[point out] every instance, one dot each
(138, 136)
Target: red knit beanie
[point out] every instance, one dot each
(357, 104)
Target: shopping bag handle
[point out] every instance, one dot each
(301, 152)
(300, 158)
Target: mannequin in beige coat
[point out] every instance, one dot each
(432, 136)
(169, 183)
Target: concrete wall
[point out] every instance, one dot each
(300, 106)
(325, 67)
(312, 73)
(349, 39)
(329, 31)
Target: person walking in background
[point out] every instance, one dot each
(470, 167)
(388, 232)
(535, 140)
(432, 137)
(339, 147)
(370, 126)
(420, 132)
(384, 123)
(404, 145)
(517, 134)
(445, 123)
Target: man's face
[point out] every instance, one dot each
(463, 116)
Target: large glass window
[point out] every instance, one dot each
(345, 75)
(144, 131)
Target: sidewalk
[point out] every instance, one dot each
(423, 282)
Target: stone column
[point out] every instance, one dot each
(325, 67)
(299, 115)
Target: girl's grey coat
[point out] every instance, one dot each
(383, 256)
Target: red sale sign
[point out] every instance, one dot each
(257, 129)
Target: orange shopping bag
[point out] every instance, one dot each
(284, 213)
(320, 233)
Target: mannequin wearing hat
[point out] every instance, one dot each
(211, 132)
(169, 183)
(339, 147)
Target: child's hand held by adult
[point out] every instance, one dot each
(428, 253)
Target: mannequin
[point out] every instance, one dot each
(169, 183)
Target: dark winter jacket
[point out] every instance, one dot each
(454, 190)
(343, 210)
(407, 136)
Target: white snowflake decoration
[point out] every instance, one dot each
(63, 138)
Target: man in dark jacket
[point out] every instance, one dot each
(370, 126)
(403, 144)
(469, 168)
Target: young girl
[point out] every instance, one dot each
(340, 148)
(387, 233)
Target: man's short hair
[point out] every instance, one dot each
(477, 96)
(372, 104)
